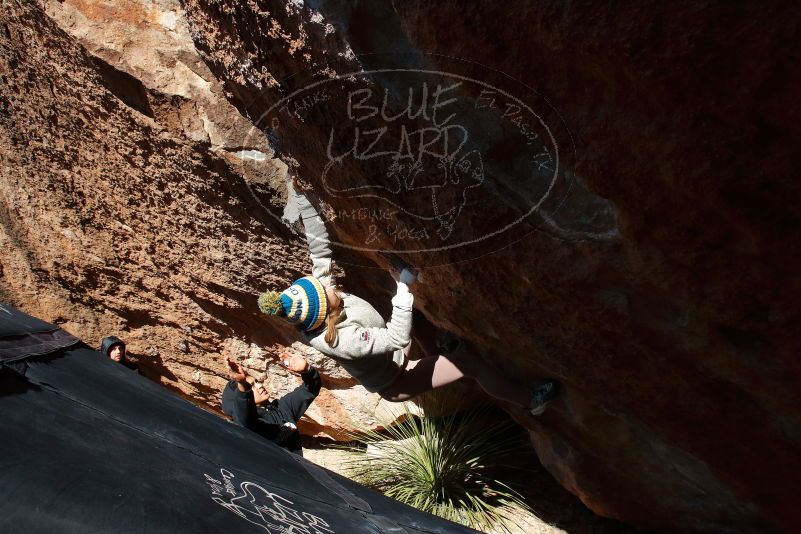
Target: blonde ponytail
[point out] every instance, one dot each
(334, 317)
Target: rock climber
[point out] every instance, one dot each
(249, 404)
(376, 353)
(114, 348)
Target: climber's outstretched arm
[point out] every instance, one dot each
(316, 236)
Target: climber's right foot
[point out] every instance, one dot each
(542, 395)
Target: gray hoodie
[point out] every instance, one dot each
(369, 348)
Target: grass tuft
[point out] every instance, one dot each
(447, 466)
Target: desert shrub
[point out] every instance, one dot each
(449, 466)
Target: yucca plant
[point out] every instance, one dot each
(446, 466)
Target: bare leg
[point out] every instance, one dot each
(436, 371)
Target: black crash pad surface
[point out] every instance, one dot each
(23, 336)
(90, 446)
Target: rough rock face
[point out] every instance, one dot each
(615, 206)
(655, 279)
(125, 210)
(150, 41)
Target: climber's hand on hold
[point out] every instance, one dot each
(408, 276)
(399, 270)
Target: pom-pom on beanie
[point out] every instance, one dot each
(303, 304)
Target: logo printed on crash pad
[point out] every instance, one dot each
(259, 506)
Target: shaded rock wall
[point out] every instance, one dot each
(659, 288)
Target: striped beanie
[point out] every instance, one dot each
(303, 304)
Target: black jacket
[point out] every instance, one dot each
(270, 421)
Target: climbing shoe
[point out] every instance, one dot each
(542, 395)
